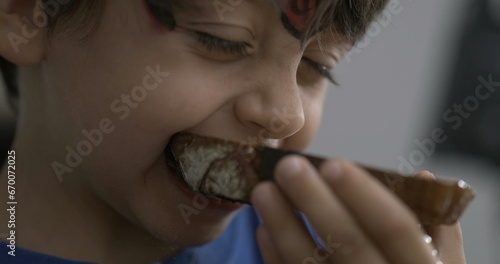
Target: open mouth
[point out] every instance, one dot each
(229, 170)
(209, 170)
(200, 199)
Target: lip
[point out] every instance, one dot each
(201, 201)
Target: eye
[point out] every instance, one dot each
(323, 70)
(215, 44)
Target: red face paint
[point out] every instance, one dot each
(297, 14)
(300, 13)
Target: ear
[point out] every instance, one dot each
(22, 31)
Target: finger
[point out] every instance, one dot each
(428, 237)
(447, 240)
(344, 240)
(284, 227)
(267, 247)
(425, 174)
(386, 220)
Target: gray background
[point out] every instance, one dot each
(390, 96)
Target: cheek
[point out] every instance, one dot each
(110, 83)
(126, 167)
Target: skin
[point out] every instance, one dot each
(120, 205)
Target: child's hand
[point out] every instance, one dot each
(358, 219)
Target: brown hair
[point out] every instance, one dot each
(351, 17)
(73, 16)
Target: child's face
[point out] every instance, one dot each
(265, 89)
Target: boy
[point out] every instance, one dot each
(103, 85)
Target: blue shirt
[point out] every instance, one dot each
(236, 245)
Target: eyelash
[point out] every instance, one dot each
(240, 48)
(213, 43)
(323, 70)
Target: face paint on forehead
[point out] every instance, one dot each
(296, 15)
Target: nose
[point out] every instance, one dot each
(273, 103)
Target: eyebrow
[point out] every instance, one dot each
(182, 5)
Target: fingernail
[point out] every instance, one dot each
(290, 166)
(332, 168)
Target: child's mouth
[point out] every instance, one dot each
(201, 197)
(218, 171)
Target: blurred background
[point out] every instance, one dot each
(423, 68)
(417, 71)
